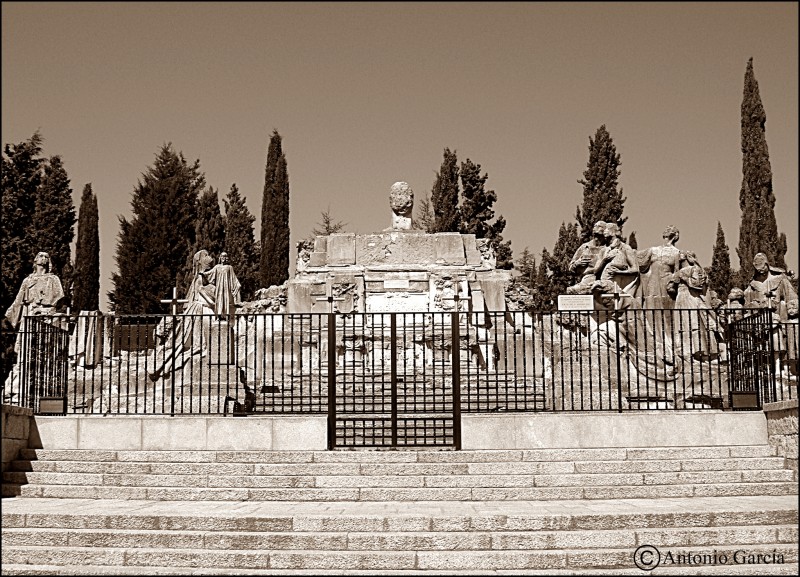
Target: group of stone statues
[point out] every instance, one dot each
(665, 278)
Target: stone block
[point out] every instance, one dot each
(298, 297)
(221, 344)
(179, 433)
(299, 433)
(244, 433)
(449, 249)
(54, 433)
(318, 259)
(118, 433)
(471, 252)
(342, 249)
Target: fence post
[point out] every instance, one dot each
(455, 350)
(331, 381)
(393, 365)
(619, 362)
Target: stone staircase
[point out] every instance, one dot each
(568, 511)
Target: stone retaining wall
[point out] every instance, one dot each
(16, 426)
(782, 430)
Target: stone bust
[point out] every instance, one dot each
(401, 200)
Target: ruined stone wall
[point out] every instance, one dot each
(782, 430)
(16, 425)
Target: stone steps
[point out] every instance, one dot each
(125, 537)
(400, 475)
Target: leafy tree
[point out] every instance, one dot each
(558, 262)
(632, 242)
(275, 216)
(21, 176)
(86, 286)
(444, 195)
(153, 247)
(327, 226)
(601, 198)
(758, 231)
(719, 277)
(425, 218)
(240, 244)
(476, 212)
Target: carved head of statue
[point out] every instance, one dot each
(599, 228)
(42, 259)
(223, 258)
(736, 294)
(202, 261)
(401, 199)
(671, 234)
(612, 231)
(760, 263)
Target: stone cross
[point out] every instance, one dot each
(329, 297)
(175, 301)
(617, 296)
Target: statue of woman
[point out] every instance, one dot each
(39, 293)
(657, 264)
(697, 333)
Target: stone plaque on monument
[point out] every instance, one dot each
(575, 302)
(396, 283)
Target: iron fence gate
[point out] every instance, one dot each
(406, 392)
(752, 369)
(42, 364)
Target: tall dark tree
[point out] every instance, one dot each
(558, 262)
(444, 195)
(632, 242)
(720, 277)
(275, 216)
(477, 212)
(21, 176)
(54, 218)
(153, 246)
(758, 231)
(86, 286)
(526, 265)
(209, 229)
(240, 242)
(602, 199)
(545, 295)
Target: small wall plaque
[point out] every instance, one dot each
(575, 302)
(396, 283)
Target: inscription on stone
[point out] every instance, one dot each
(575, 302)
(395, 283)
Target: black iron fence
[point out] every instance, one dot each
(405, 376)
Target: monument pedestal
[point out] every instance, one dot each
(221, 344)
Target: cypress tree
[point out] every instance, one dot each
(720, 277)
(275, 216)
(21, 176)
(758, 231)
(240, 242)
(632, 242)
(476, 212)
(86, 288)
(425, 219)
(444, 195)
(526, 265)
(601, 198)
(154, 246)
(544, 295)
(54, 219)
(209, 229)
(558, 262)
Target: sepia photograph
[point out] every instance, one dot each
(399, 288)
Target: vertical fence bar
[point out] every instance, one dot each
(331, 381)
(456, 362)
(393, 365)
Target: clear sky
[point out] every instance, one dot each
(367, 94)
